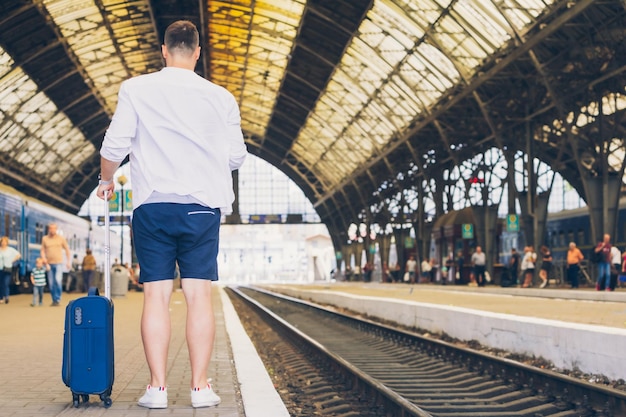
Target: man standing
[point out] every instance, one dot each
(52, 247)
(479, 262)
(184, 138)
(574, 256)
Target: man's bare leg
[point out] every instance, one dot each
(200, 327)
(156, 328)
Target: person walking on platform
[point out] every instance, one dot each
(183, 135)
(74, 275)
(89, 269)
(426, 270)
(574, 257)
(546, 266)
(52, 247)
(459, 267)
(514, 266)
(38, 279)
(603, 248)
(410, 267)
(479, 262)
(528, 266)
(8, 256)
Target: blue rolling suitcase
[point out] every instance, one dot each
(88, 361)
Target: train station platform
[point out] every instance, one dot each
(31, 357)
(580, 329)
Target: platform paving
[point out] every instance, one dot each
(563, 326)
(31, 357)
(583, 305)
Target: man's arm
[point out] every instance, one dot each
(42, 252)
(68, 255)
(117, 141)
(238, 150)
(107, 170)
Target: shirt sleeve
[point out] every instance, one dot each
(238, 150)
(123, 127)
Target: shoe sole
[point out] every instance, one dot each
(153, 406)
(206, 404)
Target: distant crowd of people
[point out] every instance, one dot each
(55, 269)
(520, 270)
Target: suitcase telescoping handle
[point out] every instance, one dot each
(107, 248)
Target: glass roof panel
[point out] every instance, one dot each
(103, 39)
(249, 53)
(407, 54)
(521, 12)
(33, 133)
(10, 136)
(6, 63)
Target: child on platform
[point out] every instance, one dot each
(38, 279)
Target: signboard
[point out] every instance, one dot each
(408, 243)
(467, 231)
(128, 200)
(512, 223)
(114, 202)
(114, 220)
(265, 218)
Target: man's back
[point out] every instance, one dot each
(186, 136)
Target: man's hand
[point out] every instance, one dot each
(109, 188)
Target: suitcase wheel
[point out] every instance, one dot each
(106, 399)
(75, 400)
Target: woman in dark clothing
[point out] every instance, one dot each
(546, 265)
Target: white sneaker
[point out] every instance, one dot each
(204, 397)
(543, 284)
(155, 397)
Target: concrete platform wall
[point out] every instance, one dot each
(591, 349)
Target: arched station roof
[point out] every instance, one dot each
(352, 99)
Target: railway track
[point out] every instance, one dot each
(369, 369)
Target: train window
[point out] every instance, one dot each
(561, 239)
(570, 237)
(581, 237)
(38, 232)
(13, 232)
(7, 222)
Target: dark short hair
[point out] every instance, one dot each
(182, 37)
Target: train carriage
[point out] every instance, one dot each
(25, 221)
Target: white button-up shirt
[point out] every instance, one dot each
(183, 135)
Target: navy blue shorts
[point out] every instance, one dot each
(166, 233)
